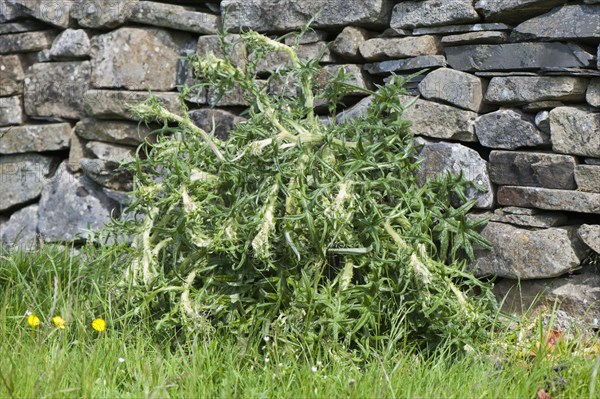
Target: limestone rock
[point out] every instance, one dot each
(353, 72)
(356, 111)
(56, 13)
(26, 42)
(588, 178)
(509, 129)
(102, 14)
(457, 88)
(107, 173)
(517, 56)
(448, 29)
(310, 36)
(72, 43)
(56, 89)
(35, 138)
(224, 121)
(11, 75)
(542, 121)
(9, 11)
(175, 17)
(118, 132)
(76, 153)
(381, 49)
(475, 38)
(412, 14)
(592, 96)
(534, 169)
(550, 199)
(408, 64)
(236, 50)
(569, 22)
(70, 206)
(130, 58)
(528, 254)
(20, 230)
(23, 177)
(20, 26)
(347, 43)
(110, 152)
(576, 131)
(112, 104)
(441, 158)
(590, 234)
(285, 15)
(541, 106)
(511, 11)
(534, 219)
(11, 110)
(524, 89)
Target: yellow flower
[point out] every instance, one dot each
(33, 320)
(99, 325)
(59, 322)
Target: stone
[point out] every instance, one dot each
(525, 89)
(457, 88)
(528, 254)
(71, 206)
(115, 104)
(310, 36)
(533, 169)
(575, 130)
(592, 161)
(11, 110)
(35, 138)
(517, 56)
(569, 22)
(175, 17)
(56, 89)
(9, 11)
(412, 14)
(236, 51)
(26, 42)
(347, 43)
(542, 121)
(56, 13)
(102, 14)
(280, 59)
(549, 199)
(23, 176)
(107, 173)
(592, 96)
(112, 131)
(588, 178)
(20, 26)
(76, 153)
(234, 97)
(405, 47)
(475, 38)
(509, 129)
(222, 121)
(537, 219)
(11, 75)
(590, 234)
(511, 11)
(442, 158)
(110, 152)
(448, 29)
(21, 229)
(542, 105)
(440, 121)
(353, 73)
(356, 111)
(130, 58)
(408, 64)
(286, 15)
(72, 43)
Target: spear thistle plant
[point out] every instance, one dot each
(304, 230)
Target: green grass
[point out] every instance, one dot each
(130, 359)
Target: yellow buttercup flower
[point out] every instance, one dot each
(33, 320)
(59, 322)
(99, 325)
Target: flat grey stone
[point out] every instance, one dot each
(542, 105)
(20, 26)
(517, 56)
(569, 22)
(435, 30)
(72, 43)
(442, 158)
(26, 42)
(454, 87)
(9, 12)
(11, 75)
(56, 13)
(107, 174)
(110, 152)
(23, 177)
(542, 121)
(549, 199)
(412, 14)
(525, 89)
(354, 74)
(76, 153)
(115, 104)
(528, 254)
(509, 129)
(511, 11)
(405, 47)
(539, 219)
(592, 161)
(236, 50)
(35, 138)
(408, 64)
(310, 36)
(11, 110)
(534, 169)
(102, 14)
(175, 17)
(20, 231)
(592, 96)
(56, 89)
(347, 43)
(588, 178)
(590, 234)
(222, 121)
(575, 130)
(112, 131)
(475, 38)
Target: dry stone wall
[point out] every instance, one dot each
(511, 99)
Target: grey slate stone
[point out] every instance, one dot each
(107, 174)
(447, 29)
(35, 138)
(412, 14)
(533, 169)
(224, 121)
(525, 89)
(347, 43)
(549, 199)
(542, 105)
(575, 130)
(454, 87)
(175, 17)
(405, 47)
(408, 64)
(20, 231)
(20, 26)
(570, 22)
(536, 219)
(517, 56)
(542, 121)
(475, 38)
(511, 11)
(56, 13)
(11, 75)
(11, 110)
(26, 42)
(102, 14)
(590, 234)
(114, 104)
(110, 152)
(112, 131)
(592, 96)
(509, 129)
(72, 43)
(588, 178)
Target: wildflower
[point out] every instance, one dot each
(99, 324)
(59, 322)
(33, 320)
(267, 338)
(319, 363)
(121, 360)
(314, 369)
